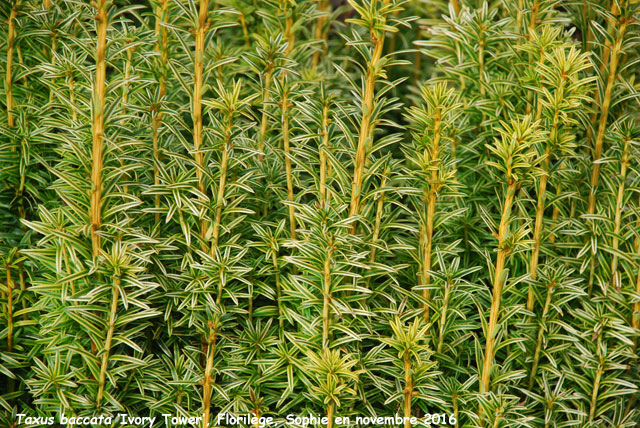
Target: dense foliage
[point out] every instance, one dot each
(368, 208)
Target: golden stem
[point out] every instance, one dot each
(326, 317)
(536, 356)
(264, 121)
(200, 34)
(602, 126)
(408, 391)
(497, 288)
(537, 231)
(330, 414)
(11, 39)
(208, 379)
(323, 156)
(618, 216)
(287, 162)
(378, 223)
(443, 316)
(99, 93)
(456, 6)
(320, 33)
(431, 195)
(365, 135)
(224, 164)
(115, 293)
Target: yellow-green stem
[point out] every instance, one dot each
(320, 33)
(224, 165)
(208, 378)
(408, 390)
(537, 231)
(498, 283)
(11, 39)
(115, 293)
(276, 267)
(618, 216)
(330, 410)
(265, 117)
(200, 34)
(365, 136)
(604, 116)
(443, 315)
(430, 197)
(456, 6)
(324, 167)
(541, 328)
(287, 163)
(326, 316)
(99, 93)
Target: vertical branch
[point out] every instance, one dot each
(443, 316)
(320, 32)
(408, 390)
(208, 379)
(429, 198)
(324, 168)
(365, 136)
(287, 161)
(604, 114)
(115, 293)
(99, 92)
(326, 316)
(615, 276)
(456, 6)
(200, 34)
(161, 47)
(266, 96)
(11, 40)
(498, 282)
(541, 330)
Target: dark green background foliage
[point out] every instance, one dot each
(361, 208)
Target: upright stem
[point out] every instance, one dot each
(287, 162)
(537, 232)
(618, 216)
(323, 156)
(430, 195)
(99, 93)
(11, 39)
(443, 315)
(266, 95)
(326, 316)
(365, 136)
(200, 34)
(606, 102)
(162, 48)
(604, 116)
(541, 328)
(378, 223)
(497, 288)
(115, 293)
(320, 33)
(224, 165)
(208, 379)
(408, 390)
(596, 382)
(456, 6)
(330, 410)
(276, 267)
